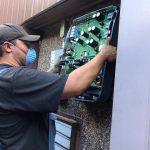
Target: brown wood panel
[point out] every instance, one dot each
(6, 3)
(28, 9)
(51, 2)
(17, 5)
(17, 11)
(21, 11)
(8, 10)
(38, 6)
(10, 13)
(14, 11)
(2, 10)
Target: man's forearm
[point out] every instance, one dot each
(80, 79)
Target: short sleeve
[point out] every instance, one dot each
(37, 90)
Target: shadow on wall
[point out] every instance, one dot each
(99, 110)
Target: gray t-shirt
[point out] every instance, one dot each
(26, 97)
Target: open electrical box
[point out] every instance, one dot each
(83, 41)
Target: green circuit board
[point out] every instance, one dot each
(85, 37)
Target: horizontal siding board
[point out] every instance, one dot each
(63, 124)
(63, 128)
(58, 147)
(62, 140)
(66, 133)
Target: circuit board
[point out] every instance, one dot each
(83, 41)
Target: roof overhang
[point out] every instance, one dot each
(59, 11)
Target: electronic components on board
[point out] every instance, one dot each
(83, 41)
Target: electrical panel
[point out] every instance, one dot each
(83, 41)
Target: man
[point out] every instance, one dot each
(28, 95)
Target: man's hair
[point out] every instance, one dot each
(1, 51)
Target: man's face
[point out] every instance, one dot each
(19, 51)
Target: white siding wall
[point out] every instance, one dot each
(131, 108)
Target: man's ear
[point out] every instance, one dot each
(7, 47)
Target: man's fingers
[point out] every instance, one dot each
(107, 40)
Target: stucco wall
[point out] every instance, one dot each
(95, 119)
(95, 124)
(51, 41)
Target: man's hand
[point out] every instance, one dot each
(108, 51)
(56, 67)
(81, 78)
